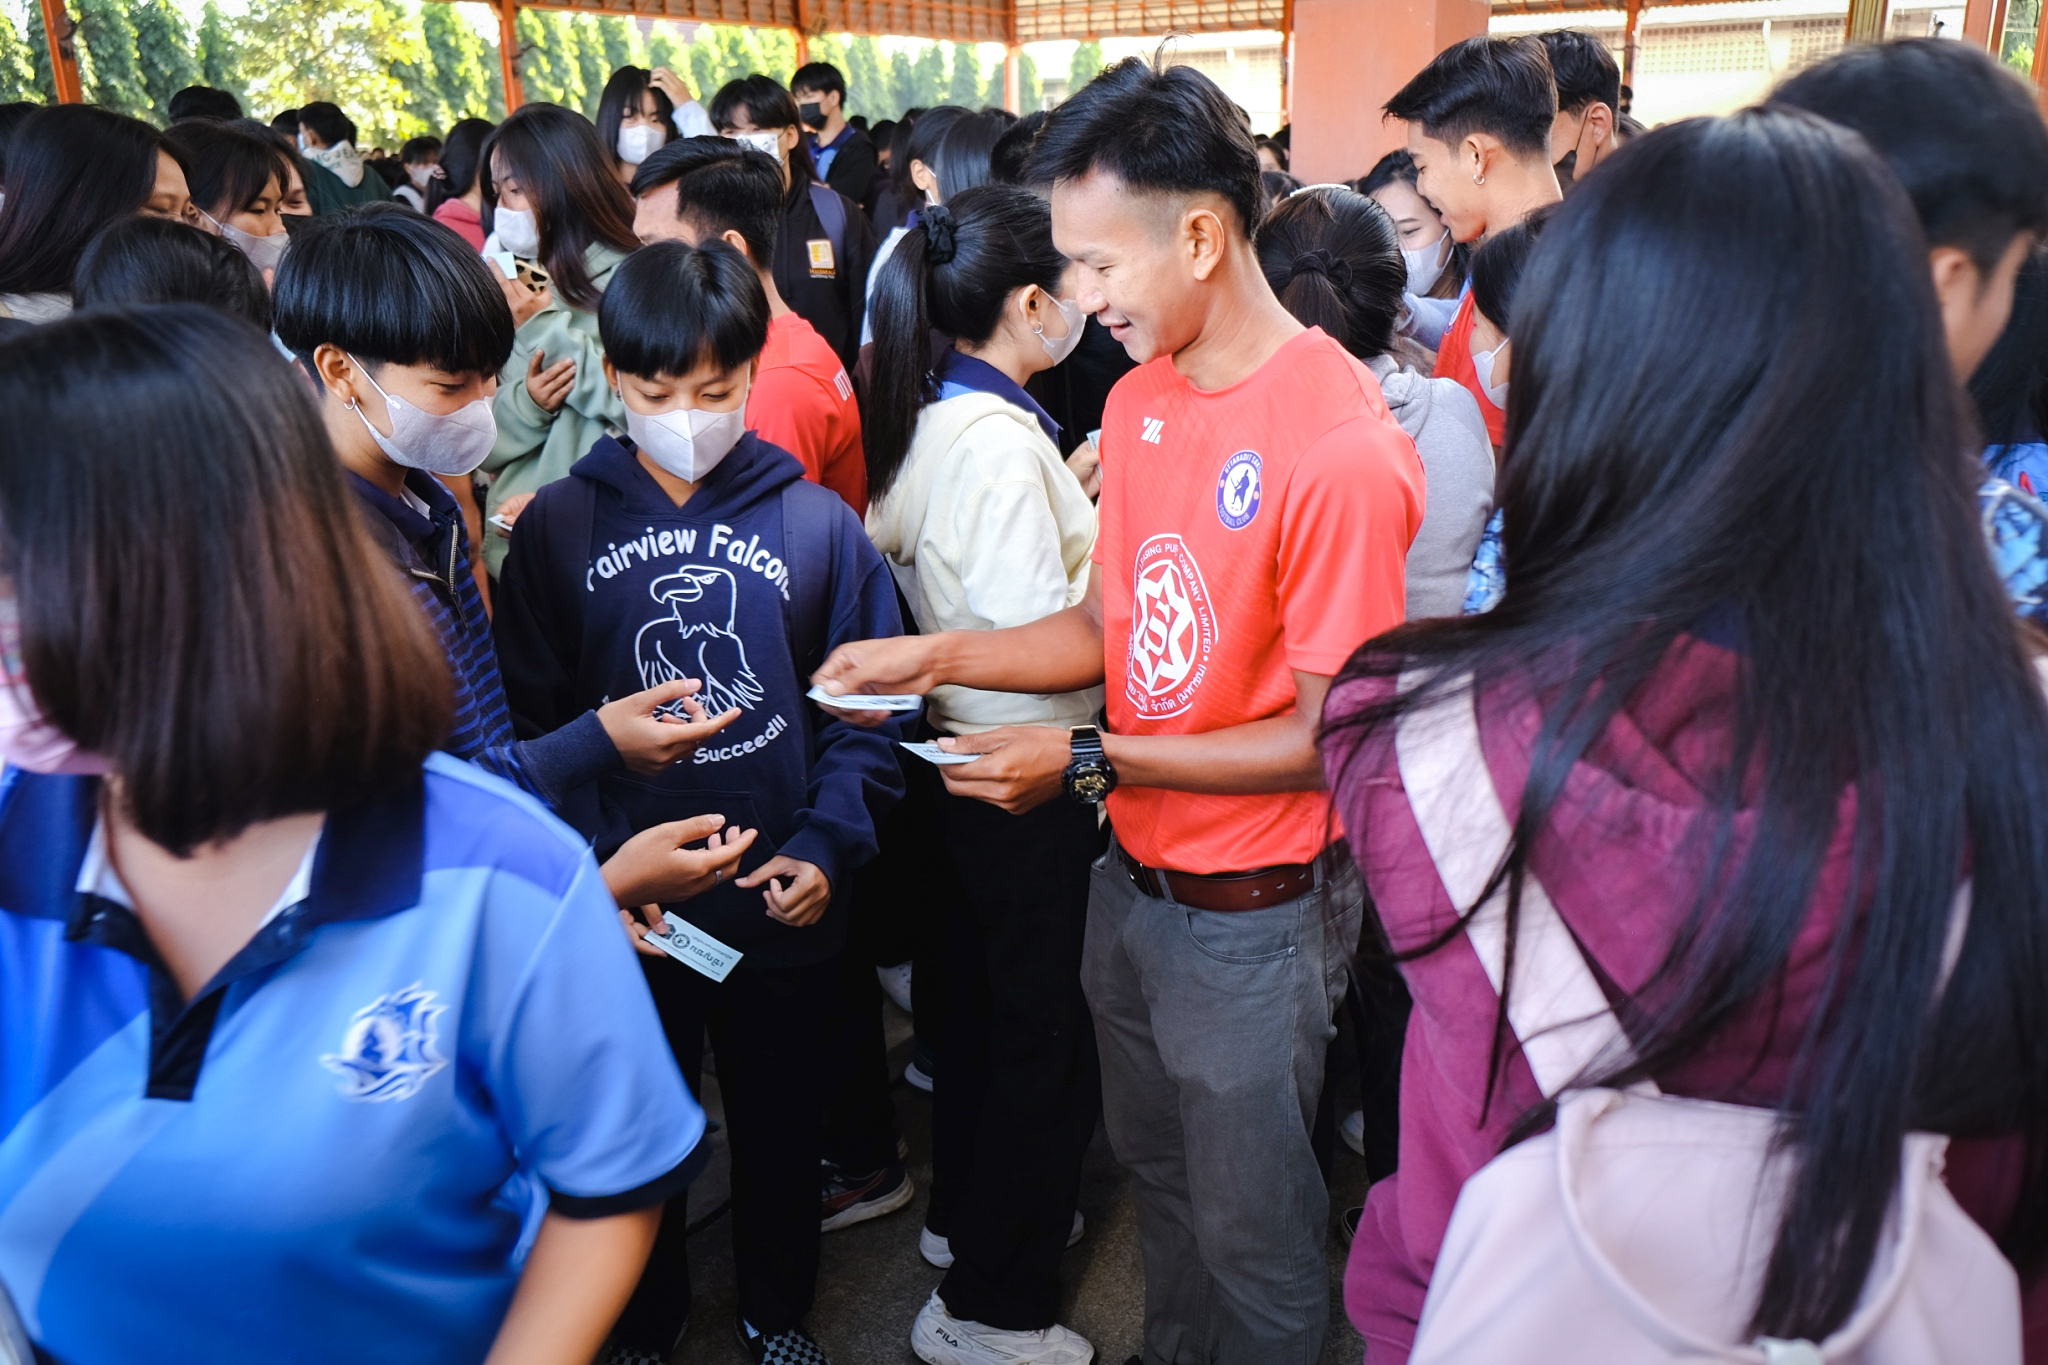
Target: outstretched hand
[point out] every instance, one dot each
(902, 664)
(654, 867)
(651, 743)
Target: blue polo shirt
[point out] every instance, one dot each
(339, 1149)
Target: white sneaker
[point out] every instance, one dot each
(896, 984)
(1352, 1130)
(939, 1250)
(939, 1338)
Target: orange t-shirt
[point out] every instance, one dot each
(1245, 532)
(1454, 361)
(803, 402)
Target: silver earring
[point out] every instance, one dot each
(1479, 180)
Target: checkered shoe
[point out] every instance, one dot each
(793, 1347)
(615, 1354)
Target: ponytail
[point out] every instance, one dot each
(951, 274)
(901, 382)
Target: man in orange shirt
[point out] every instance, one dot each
(699, 188)
(1479, 119)
(1258, 501)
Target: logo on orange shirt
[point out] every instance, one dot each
(1173, 629)
(1237, 491)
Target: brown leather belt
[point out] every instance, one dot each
(1226, 892)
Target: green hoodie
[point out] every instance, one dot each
(534, 447)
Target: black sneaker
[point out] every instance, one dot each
(850, 1198)
(793, 1347)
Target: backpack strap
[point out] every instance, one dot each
(832, 213)
(807, 520)
(1555, 1006)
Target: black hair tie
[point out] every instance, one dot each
(941, 235)
(1319, 261)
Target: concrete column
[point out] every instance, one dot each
(1013, 79)
(1350, 56)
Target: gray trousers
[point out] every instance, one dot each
(1213, 1029)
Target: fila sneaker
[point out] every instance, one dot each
(939, 1338)
(939, 1250)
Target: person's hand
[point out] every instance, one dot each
(1086, 463)
(903, 664)
(509, 510)
(653, 867)
(803, 902)
(653, 744)
(670, 84)
(1020, 769)
(549, 388)
(524, 298)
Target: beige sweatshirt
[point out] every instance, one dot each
(985, 527)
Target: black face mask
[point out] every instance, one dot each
(812, 114)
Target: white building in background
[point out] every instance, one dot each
(1246, 65)
(1716, 58)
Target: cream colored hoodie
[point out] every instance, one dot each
(985, 527)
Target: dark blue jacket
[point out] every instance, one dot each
(610, 588)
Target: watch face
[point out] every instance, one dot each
(1090, 784)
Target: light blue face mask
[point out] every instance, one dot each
(1482, 366)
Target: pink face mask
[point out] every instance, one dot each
(27, 741)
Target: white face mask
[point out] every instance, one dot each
(518, 232)
(419, 175)
(1426, 263)
(1060, 347)
(263, 252)
(770, 143)
(688, 442)
(639, 143)
(1482, 366)
(452, 443)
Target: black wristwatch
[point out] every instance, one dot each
(1089, 777)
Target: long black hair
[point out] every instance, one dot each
(1728, 473)
(965, 153)
(622, 96)
(226, 167)
(577, 199)
(71, 170)
(2010, 386)
(462, 154)
(952, 272)
(1334, 261)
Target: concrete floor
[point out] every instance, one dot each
(872, 1281)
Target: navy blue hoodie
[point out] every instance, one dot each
(610, 588)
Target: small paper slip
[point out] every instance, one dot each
(503, 260)
(694, 948)
(932, 753)
(864, 701)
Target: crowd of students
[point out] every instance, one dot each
(1567, 602)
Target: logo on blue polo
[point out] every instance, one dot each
(1237, 492)
(388, 1052)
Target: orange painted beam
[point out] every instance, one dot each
(1978, 22)
(58, 28)
(508, 52)
(1350, 56)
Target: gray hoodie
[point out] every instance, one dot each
(1443, 420)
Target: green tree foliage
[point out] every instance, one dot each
(665, 49)
(621, 44)
(219, 52)
(548, 66)
(163, 51)
(1031, 95)
(1085, 67)
(339, 50)
(39, 60)
(104, 30)
(778, 53)
(460, 64)
(917, 79)
(867, 82)
(17, 63)
(966, 86)
(590, 61)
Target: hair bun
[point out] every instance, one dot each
(1321, 262)
(941, 233)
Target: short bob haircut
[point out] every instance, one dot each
(1160, 130)
(326, 122)
(227, 166)
(71, 170)
(673, 309)
(1499, 86)
(203, 101)
(197, 605)
(720, 186)
(391, 287)
(768, 107)
(1497, 268)
(1582, 69)
(577, 199)
(140, 259)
